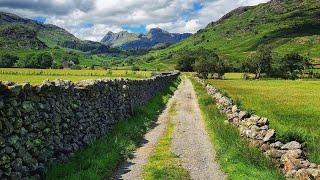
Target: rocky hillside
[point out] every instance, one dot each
(286, 25)
(154, 37)
(20, 33)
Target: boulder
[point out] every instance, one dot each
(292, 154)
(304, 174)
(269, 136)
(243, 114)
(263, 122)
(291, 145)
(234, 109)
(276, 145)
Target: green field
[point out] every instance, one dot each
(293, 107)
(36, 76)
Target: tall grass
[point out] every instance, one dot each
(237, 158)
(101, 159)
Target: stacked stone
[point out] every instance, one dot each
(47, 123)
(288, 156)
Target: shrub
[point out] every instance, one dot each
(8, 60)
(135, 68)
(76, 67)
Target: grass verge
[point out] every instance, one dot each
(101, 159)
(237, 158)
(163, 164)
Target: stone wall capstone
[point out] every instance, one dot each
(47, 123)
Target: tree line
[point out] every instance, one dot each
(43, 60)
(262, 63)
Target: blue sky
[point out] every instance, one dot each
(136, 29)
(92, 19)
(189, 13)
(40, 19)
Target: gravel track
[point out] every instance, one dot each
(190, 140)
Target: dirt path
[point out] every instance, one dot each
(190, 140)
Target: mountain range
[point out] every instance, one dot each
(154, 37)
(285, 25)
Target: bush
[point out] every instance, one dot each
(8, 60)
(76, 67)
(56, 65)
(135, 68)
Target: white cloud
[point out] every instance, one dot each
(111, 15)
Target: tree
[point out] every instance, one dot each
(260, 62)
(8, 60)
(208, 62)
(294, 63)
(185, 60)
(135, 68)
(43, 61)
(105, 65)
(204, 66)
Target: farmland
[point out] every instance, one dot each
(291, 106)
(36, 76)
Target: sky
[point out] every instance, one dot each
(92, 19)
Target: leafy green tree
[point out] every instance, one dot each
(204, 66)
(208, 63)
(135, 68)
(105, 65)
(8, 60)
(260, 62)
(293, 64)
(185, 60)
(43, 61)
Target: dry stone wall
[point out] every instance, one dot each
(289, 156)
(45, 124)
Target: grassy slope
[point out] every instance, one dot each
(162, 163)
(100, 160)
(36, 34)
(291, 106)
(290, 27)
(237, 158)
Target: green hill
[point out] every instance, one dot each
(22, 37)
(20, 33)
(286, 25)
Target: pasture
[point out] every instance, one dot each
(36, 76)
(293, 107)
